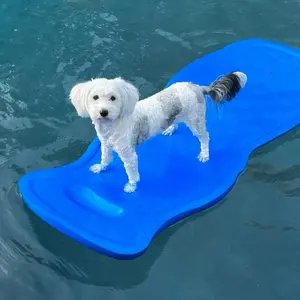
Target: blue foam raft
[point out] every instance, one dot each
(94, 210)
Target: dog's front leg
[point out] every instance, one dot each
(130, 161)
(106, 159)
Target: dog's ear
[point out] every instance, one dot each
(78, 97)
(132, 96)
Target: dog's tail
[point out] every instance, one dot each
(226, 88)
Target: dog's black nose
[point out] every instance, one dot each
(104, 113)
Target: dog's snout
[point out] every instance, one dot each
(104, 113)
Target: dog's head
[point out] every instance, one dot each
(104, 99)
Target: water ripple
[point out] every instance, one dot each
(108, 17)
(173, 38)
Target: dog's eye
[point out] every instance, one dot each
(112, 98)
(96, 97)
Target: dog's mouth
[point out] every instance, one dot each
(102, 119)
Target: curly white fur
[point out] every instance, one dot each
(122, 122)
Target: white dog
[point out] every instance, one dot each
(122, 122)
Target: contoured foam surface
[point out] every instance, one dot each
(94, 210)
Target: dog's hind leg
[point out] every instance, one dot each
(170, 130)
(198, 128)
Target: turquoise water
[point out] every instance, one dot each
(247, 247)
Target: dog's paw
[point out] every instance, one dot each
(97, 168)
(130, 187)
(170, 130)
(203, 157)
